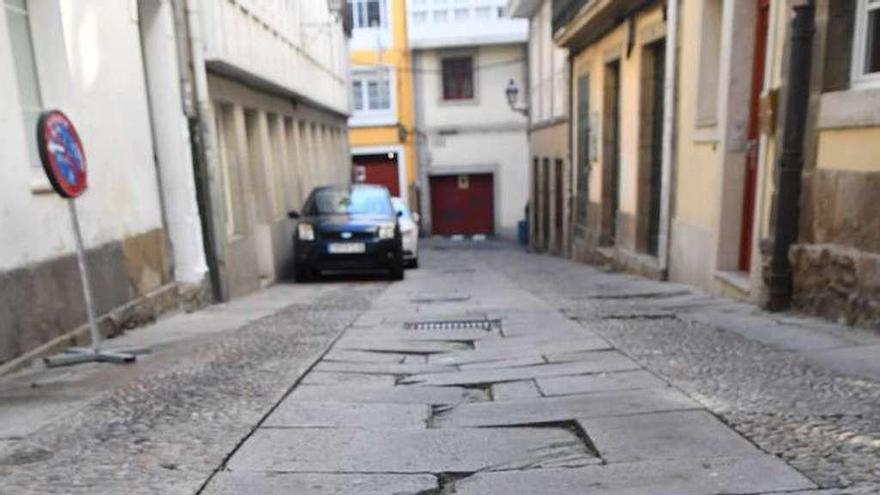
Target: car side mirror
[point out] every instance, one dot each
(292, 214)
(416, 217)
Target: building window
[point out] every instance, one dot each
(372, 96)
(710, 56)
(458, 78)
(368, 13)
(866, 65)
(18, 24)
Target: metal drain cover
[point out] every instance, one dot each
(482, 324)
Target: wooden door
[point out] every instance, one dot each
(754, 136)
(462, 204)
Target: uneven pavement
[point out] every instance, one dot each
(488, 370)
(468, 379)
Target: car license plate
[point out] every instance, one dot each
(346, 248)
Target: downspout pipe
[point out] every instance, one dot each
(791, 159)
(209, 193)
(668, 144)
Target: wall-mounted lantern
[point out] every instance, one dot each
(512, 93)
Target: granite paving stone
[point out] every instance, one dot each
(383, 368)
(551, 409)
(292, 413)
(395, 395)
(604, 361)
(599, 382)
(746, 475)
(327, 450)
(665, 435)
(515, 391)
(250, 483)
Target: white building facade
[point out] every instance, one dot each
(473, 146)
(143, 80)
(550, 171)
(278, 91)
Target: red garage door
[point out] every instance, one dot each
(462, 204)
(377, 169)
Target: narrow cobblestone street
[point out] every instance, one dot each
(488, 370)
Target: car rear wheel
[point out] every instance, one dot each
(397, 271)
(303, 273)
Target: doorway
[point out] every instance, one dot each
(610, 153)
(462, 204)
(651, 164)
(754, 136)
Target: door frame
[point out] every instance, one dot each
(399, 151)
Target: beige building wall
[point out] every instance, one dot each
(593, 61)
(836, 260)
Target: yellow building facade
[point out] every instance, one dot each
(381, 132)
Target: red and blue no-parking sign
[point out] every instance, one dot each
(62, 154)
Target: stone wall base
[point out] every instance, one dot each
(837, 282)
(141, 311)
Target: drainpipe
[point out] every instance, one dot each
(572, 162)
(791, 160)
(668, 135)
(203, 134)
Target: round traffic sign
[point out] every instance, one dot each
(62, 153)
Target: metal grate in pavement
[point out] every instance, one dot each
(481, 324)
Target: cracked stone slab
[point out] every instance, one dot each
(383, 368)
(758, 474)
(505, 363)
(363, 356)
(336, 378)
(300, 414)
(462, 334)
(601, 382)
(496, 350)
(400, 346)
(604, 361)
(407, 451)
(247, 483)
(667, 435)
(515, 391)
(552, 409)
(393, 395)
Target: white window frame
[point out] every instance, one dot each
(366, 117)
(859, 78)
(33, 158)
(372, 38)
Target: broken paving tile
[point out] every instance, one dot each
(600, 382)
(336, 378)
(757, 474)
(604, 361)
(500, 349)
(515, 391)
(406, 451)
(554, 409)
(400, 346)
(667, 435)
(505, 363)
(247, 483)
(294, 413)
(344, 355)
(395, 395)
(383, 368)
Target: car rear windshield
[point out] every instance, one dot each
(351, 201)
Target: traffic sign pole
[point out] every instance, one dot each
(64, 161)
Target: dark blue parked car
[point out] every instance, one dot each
(347, 228)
